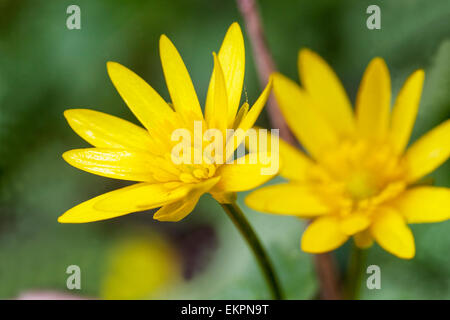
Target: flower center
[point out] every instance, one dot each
(196, 173)
(357, 175)
(361, 185)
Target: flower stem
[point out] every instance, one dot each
(235, 213)
(355, 272)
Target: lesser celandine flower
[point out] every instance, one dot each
(358, 178)
(125, 151)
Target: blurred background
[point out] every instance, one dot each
(46, 68)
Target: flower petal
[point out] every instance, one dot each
(249, 120)
(289, 199)
(302, 116)
(250, 174)
(424, 204)
(232, 59)
(429, 152)
(179, 83)
(354, 223)
(146, 104)
(373, 101)
(391, 232)
(405, 111)
(324, 86)
(178, 210)
(87, 212)
(242, 113)
(113, 163)
(143, 196)
(105, 131)
(296, 165)
(216, 109)
(323, 235)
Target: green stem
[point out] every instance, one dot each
(355, 272)
(235, 213)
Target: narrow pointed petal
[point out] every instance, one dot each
(113, 163)
(242, 113)
(237, 177)
(176, 211)
(373, 101)
(179, 83)
(391, 232)
(303, 117)
(143, 196)
(424, 204)
(216, 109)
(86, 211)
(146, 104)
(324, 86)
(105, 131)
(405, 111)
(249, 119)
(232, 59)
(323, 235)
(288, 199)
(429, 152)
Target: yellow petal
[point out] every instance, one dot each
(373, 101)
(146, 104)
(405, 111)
(178, 210)
(424, 204)
(179, 83)
(112, 163)
(249, 119)
(242, 113)
(237, 177)
(289, 199)
(324, 86)
(363, 239)
(296, 165)
(86, 211)
(302, 116)
(354, 223)
(105, 131)
(232, 59)
(429, 152)
(323, 235)
(392, 234)
(143, 196)
(216, 109)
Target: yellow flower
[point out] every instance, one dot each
(125, 151)
(358, 180)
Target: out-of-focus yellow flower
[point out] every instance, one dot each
(129, 152)
(358, 180)
(140, 267)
